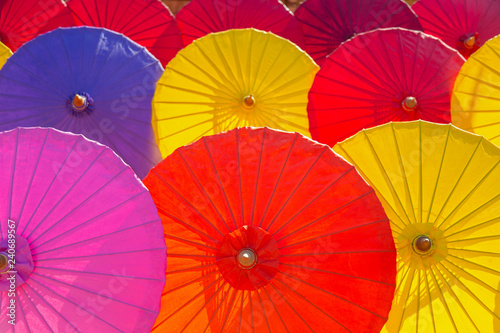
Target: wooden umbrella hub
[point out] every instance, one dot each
(470, 42)
(423, 245)
(80, 103)
(409, 104)
(249, 101)
(4, 261)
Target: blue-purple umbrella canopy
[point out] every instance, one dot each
(89, 81)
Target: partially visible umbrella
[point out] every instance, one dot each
(89, 247)
(328, 23)
(268, 231)
(21, 21)
(147, 22)
(462, 24)
(439, 187)
(85, 80)
(5, 53)
(231, 79)
(475, 104)
(380, 76)
(201, 17)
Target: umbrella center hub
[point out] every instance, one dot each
(14, 273)
(3, 262)
(470, 42)
(81, 102)
(249, 102)
(423, 245)
(409, 104)
(247, 258)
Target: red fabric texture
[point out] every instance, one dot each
(365, 81)
(251, 187)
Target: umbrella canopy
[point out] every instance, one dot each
(328, 23)
(201, 17)
(475, 105)
(5, 53)
(229, 79)
(89, 249)
(439, 187)
(380, 76)
(462, 24)
(269, 231)
(147, 22)
(21, 21)
(85, 80)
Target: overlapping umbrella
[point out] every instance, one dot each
(462, 24)
(147, 22)
(380, 76)
(5, 53)
(439, 187)
(85, 80)
(328, 23)
(81, 235)
(201, 17)
(231, 79)
(269, 231)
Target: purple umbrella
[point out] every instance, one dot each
(85, 80)
(85, 235)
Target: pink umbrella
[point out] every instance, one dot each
(84, 233)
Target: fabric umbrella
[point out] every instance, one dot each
(328, 23)
(201, 17)
(81, 242)
(5, 53)
(21, 21)
(385, 75)
(475, 105)
(439, 187)
(462, 24)
(228, 79)
(85, 80)
(147, 22)
(269, 231)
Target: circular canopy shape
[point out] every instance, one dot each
(147, 22)
(475, 105)
(328, 23)
(89, 246)
(380, 76)
(231, 79)
(464, 25)
(269, 231)
(201, 17)
(85, 80)
(439, 187)
(5, 53)
(21, 21)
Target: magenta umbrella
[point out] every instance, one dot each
(84, 233)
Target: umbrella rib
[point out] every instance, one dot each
(275, 309)
(23, 309)
(236, 57)
(431, 79)
(264, 312)
(258, 174)
(229, 308)
(257, 88)
(216, 310)
(184, 270)
(321, 153)
(192, 207)
(430, 302)
(189, 283)
(283, 121)
(239, 177)
(443, 300)
(410, 281)
(195, 178)
(97, 74)
(126, 29)
(185, 241)
(11, 190)
(478, 281)
(183, 255)
(95, 273)
(279, 178)
(482, 224)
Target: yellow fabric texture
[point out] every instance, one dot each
(475, 103)
(235, 78)
(5, 53)
(439, 182)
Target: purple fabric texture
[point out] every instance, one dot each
(39, 82)
(23, 263)
(93, 231)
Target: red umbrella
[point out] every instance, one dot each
(328, 23)
(21, 21)
(147, 22)
(380, 76)
(462, 24)
(268, 231)
(201, 17)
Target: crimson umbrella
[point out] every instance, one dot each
(85, 80)
(21, 21)
(201, 17)
(269, 231)
(462, 24)
(380, 76)
(147, 22)
(81, 243)
(328, 23)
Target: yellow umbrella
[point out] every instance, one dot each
(475, 103)
(235, 78)
(5, 53)
(440, 188)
